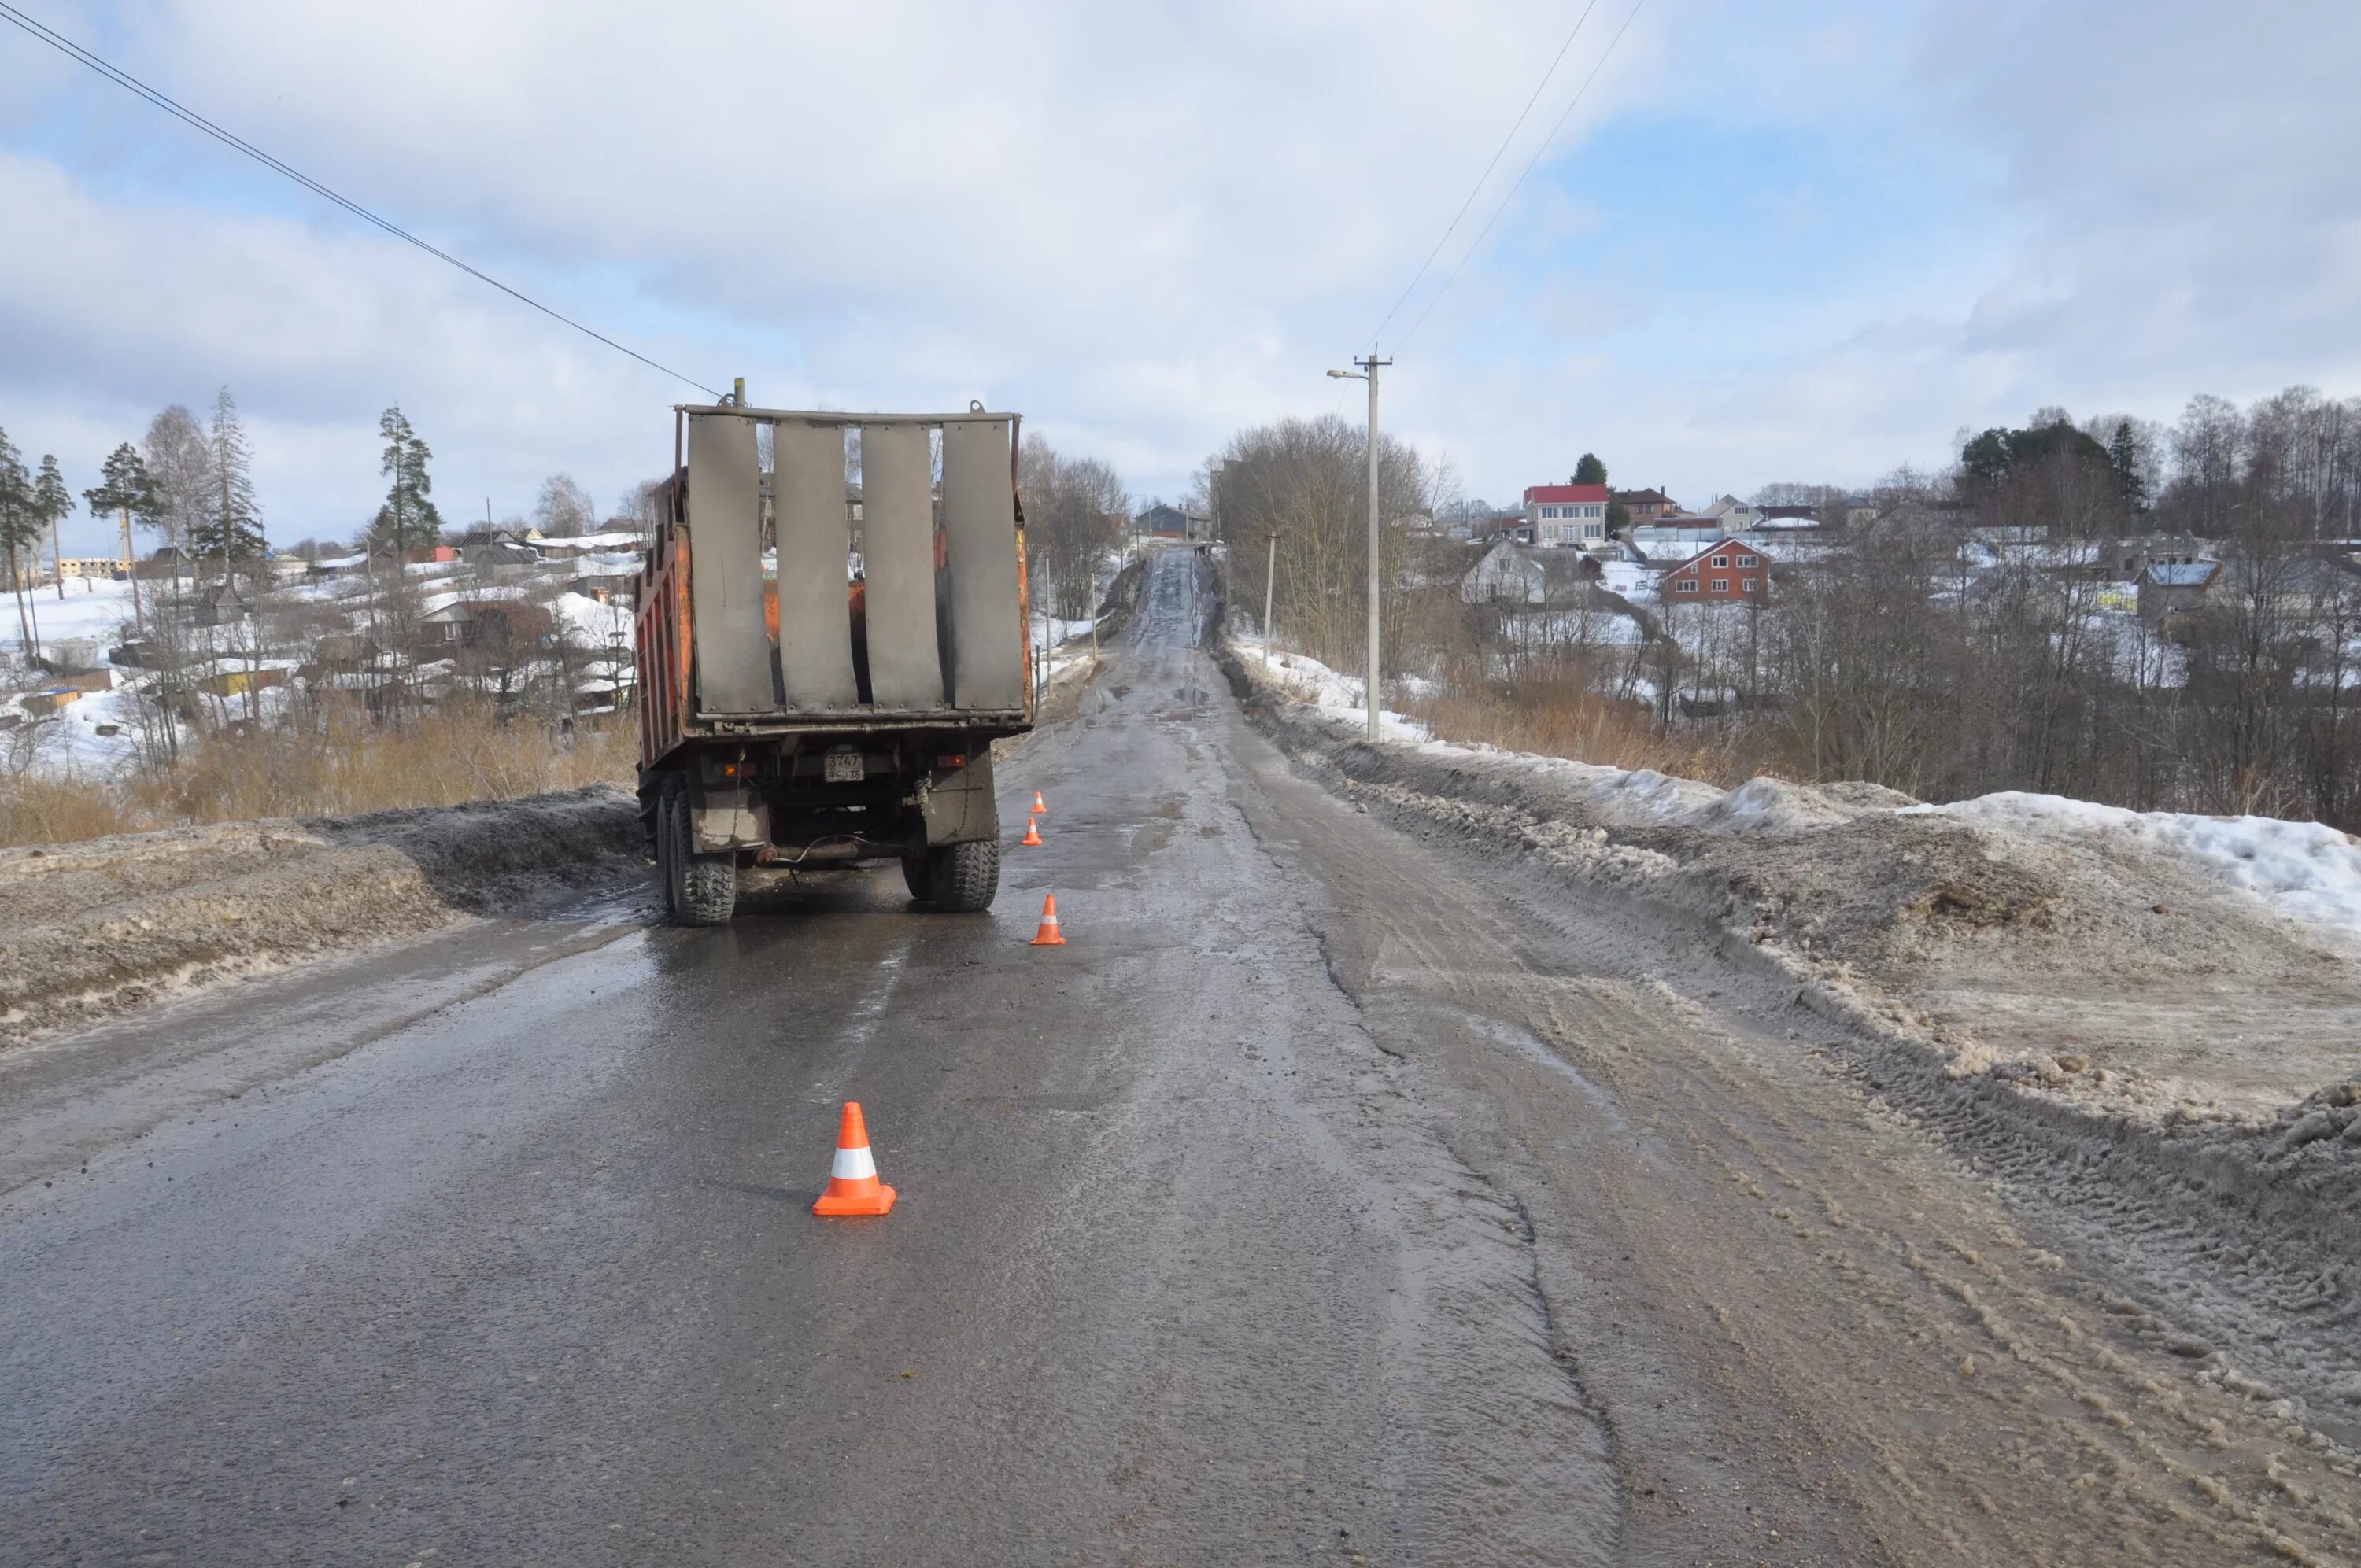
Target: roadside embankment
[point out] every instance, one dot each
(2154, 1042)
(109, 925)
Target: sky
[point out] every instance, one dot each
(1769, 241)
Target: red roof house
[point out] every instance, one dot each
(1567, 514)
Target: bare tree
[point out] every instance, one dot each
(1306, 483)
(2208, 446)
(642, 506)
(1074, 517)
(563, 509)
(179, 463)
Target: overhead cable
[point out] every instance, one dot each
(1527, 170)
(1472, 190)
(124, 79)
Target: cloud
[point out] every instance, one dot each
(878, 206)
(1763, 248)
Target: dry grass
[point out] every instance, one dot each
(1564, 718)
(331, 762)
(46, 810)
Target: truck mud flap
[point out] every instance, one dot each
(960, 807)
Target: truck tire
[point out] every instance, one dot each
(962, 878)
(917, 876)
(700, 890)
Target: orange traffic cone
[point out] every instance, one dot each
(1047, 937)
(1039, 809)
(853, 1185)
(1032, 840)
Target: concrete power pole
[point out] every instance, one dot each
(1370, 373)
(1269, 577)
(1370, 364)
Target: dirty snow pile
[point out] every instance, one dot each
(110, 926)
(2304, 870)
(2300, 870)
(2210, 966)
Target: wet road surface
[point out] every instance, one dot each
(1178, 1273)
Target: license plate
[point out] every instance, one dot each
(843, 767)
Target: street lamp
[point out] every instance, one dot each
(1368, 372)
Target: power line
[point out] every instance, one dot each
(124, 79)
(1451, 227)
(1527, 170)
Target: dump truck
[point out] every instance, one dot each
(824, 665)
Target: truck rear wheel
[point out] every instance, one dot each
(917, 876)
(962, 878)
(700, 890)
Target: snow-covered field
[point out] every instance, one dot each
(92, 609)
(1629, 578)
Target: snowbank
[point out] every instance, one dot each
(2298, 870)
(2304, 871)
(1306, 679)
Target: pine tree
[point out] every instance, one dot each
(2124, 455)
(1589, 470)
(230, 527)
(127, 491)
(19, 531)
(408, 519)
(52, 502)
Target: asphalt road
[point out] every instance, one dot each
(529, 1274)
(1326, 1199)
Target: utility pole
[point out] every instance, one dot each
(1269, 575)
(131, 575)
(1369, 369)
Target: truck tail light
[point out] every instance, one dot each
(950, 761)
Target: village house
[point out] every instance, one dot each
(1733, 515)
(1723, 571)
(1515, 574)
(110, 568)
(608, 584)
(2299, 587)
(2124, 559)
(1671, 541)
(219, 604)
(1644, 506)
(1567, 514)
(489, 617)
(2175, 587)
(1165, 520)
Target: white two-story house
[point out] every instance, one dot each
(1567, 514)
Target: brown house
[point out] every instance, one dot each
(1646, 506)
(1722, 571)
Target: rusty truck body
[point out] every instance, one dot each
(823, 669)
